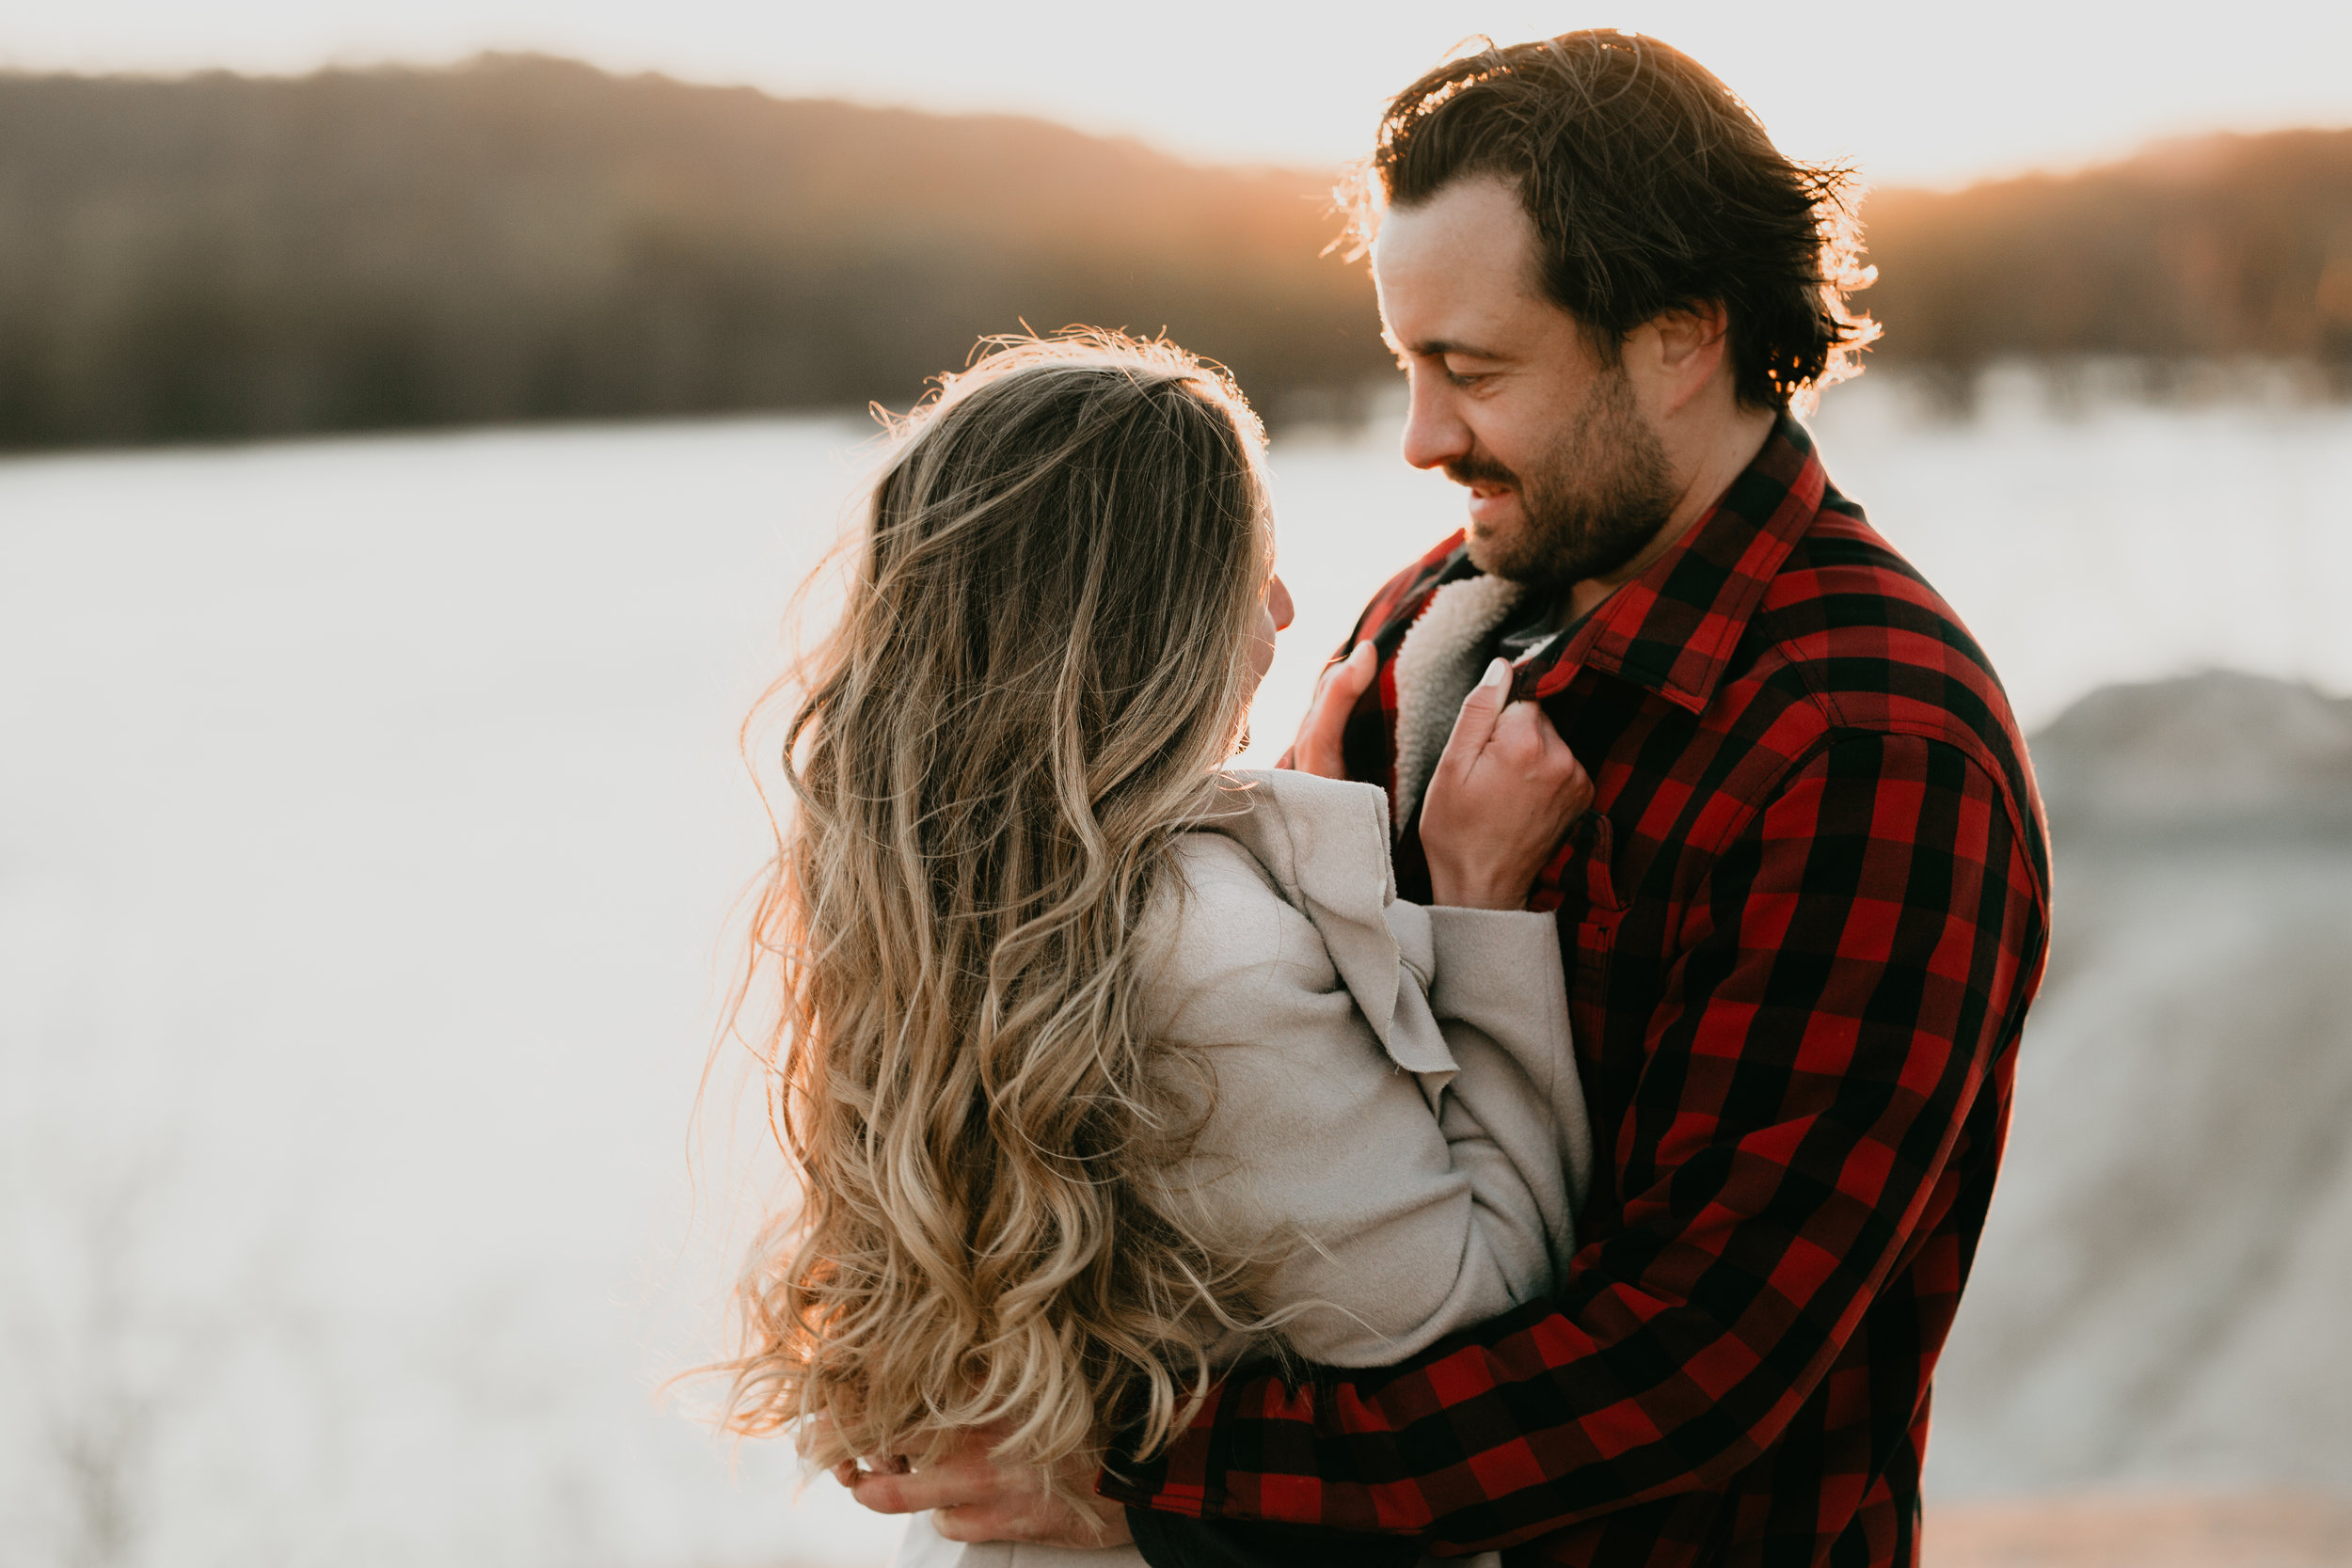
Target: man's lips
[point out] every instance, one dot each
(1491, 486)
(1487, 500)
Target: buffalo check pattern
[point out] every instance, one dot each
(1802, 924)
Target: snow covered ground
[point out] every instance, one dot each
(369, 813)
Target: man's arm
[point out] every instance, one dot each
(1858, 957)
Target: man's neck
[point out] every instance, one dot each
(1723, 458)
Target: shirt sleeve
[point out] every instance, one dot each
(1860, 955)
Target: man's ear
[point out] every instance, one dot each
(1685, 347)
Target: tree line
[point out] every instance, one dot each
(523, 238)
(2219, 248)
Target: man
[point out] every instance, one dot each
(1803, 922)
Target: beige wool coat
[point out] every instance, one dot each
(1397, 1115)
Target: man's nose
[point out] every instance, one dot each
(1434, 435)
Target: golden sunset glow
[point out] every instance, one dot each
(1917, 93)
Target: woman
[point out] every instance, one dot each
(1098, 1066)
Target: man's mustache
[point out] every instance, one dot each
(1480, 470)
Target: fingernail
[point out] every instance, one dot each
(1497, 673)
(1364, 647)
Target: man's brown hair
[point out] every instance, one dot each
(1652, 188)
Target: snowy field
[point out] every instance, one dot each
(370, 815)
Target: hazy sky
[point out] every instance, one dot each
(1918, 93)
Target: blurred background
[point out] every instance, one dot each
(413, 420)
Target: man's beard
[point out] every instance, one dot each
(1589, 505)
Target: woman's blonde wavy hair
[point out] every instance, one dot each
(1041, 664)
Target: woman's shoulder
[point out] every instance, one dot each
(1227, 913)
(1312, 837)
(1280, 888)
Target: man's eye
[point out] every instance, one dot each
(1462, 378)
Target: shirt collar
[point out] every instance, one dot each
(1673, 628)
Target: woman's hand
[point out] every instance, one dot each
(1503, 796)
(1344, 681)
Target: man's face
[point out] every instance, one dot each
(1568, 479)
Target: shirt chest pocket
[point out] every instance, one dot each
(1582, 888)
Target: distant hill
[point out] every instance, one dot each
(527, 238)
(524, 238)
(2223, 246)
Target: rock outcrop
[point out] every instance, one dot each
(2164, 1293)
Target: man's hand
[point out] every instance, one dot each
(1503, 795)
(971, 1497)
(1317, 749)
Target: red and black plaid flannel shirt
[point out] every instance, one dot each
(1803, 923)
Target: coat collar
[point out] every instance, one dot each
(1673, 629)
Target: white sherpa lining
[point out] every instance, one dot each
(1435, 670)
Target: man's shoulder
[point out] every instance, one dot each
(1850, 634)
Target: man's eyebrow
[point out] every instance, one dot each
(1435, 348)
